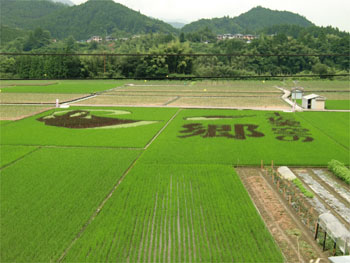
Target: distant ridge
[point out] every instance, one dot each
(106, 17)
(252, 21)
(177, 24)
(95, 17)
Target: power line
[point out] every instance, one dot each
(172, 55)
(198, 77)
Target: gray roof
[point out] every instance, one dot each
(313, 96)
(298, 89)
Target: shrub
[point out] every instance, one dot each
(339, 170)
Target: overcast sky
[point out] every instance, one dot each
(321, 12)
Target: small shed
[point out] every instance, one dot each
(314, 102)
(297, 93)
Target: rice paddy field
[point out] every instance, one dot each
(138, 184)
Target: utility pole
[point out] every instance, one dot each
(104, 64)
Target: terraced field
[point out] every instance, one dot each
(57, 87)
(131, 184)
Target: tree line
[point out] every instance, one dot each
(306, 41)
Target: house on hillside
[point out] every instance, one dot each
(94, 38)
(313, 102)
(109, 38)
(236, 36)
(249, 37)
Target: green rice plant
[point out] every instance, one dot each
(31, 131)
(338, 104)
(335, 125)
(177, 213)
(48, 196)
(9, 153)
(3, 122)
(302, 188)
(199, 136)
(339, 170)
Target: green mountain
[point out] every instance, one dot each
(216, 25)
(252, 21)
(95, 17)
(26, 14)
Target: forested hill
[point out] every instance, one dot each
(26, 14)
(95, 17)
(250, 22)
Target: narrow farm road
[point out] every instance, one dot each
(287, 100)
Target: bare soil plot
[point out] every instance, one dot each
(238, 102)
(14, 112)
(193, 93)
(264, 86)
(317, 85)
(294, 240)
(39, 98)
(209, 86)
(127, 100)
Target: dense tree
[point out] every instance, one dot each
(37, 39)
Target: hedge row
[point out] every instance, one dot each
(340, 170)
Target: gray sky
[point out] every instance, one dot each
(321, 12)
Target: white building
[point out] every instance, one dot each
(94, 38)
(314, 102)
(297, 93)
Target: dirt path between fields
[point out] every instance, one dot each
(161, 130)
(293, 238)
(285, 97)
(98, 210)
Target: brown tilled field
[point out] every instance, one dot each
(37, 98)
(14, 112)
